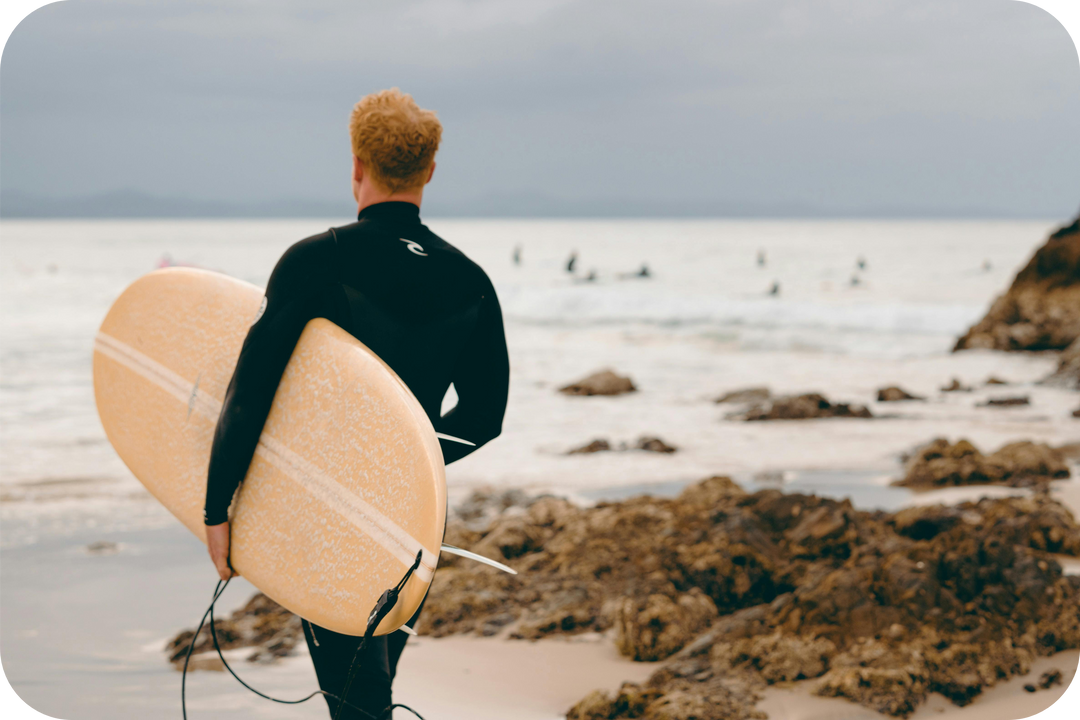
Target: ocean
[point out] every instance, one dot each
(858, 305)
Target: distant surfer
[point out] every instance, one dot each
(517, 255)
(641, 273)
(570, 263)
(761, 258)
(775, 289)
(860, 262)
(419, 303)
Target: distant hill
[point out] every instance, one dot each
(136, 204)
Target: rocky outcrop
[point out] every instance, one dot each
(1041, 310)
(1047, 680)
(955, 386)
(803, 407)
(654, 444)
(1020, 464)
(878, 608)
(485, 504)
(645, 442)
(654, 627)
(745, 395)
(724, 700)
(895, 394)
(1013, 401)
(263, 625)
(597, 445)
(605, 382)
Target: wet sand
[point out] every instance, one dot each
(82, 638)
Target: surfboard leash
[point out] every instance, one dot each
(382, 608)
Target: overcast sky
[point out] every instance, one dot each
(853, 106)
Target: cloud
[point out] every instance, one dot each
(920, 103)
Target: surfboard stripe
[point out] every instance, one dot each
(350, 505)
(333, 494)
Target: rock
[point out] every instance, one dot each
(955, 386)
(925, 523)
(994, 380)
(649, 444)
(890, 681)
(1041, 310)
(777, 657)
(605, 382)
(646, 703)
(729, 592)
(485, 504)
(510, 537)
(1019, 464)
(1049, 679)
(1076, 413)
(1006, 402)
(895, 394)
(804, 407)
(745, 395)
(598, 445)
(654, 444)
(261, 624)
(655, 627)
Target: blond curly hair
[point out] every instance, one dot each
(395, 139)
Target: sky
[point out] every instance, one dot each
(571, 107)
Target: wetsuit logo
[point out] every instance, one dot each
(262, 309)
(413, 246)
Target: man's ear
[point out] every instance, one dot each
(357, 169)
(430, 172)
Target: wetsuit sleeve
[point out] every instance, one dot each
(291, 302)
(482, 380)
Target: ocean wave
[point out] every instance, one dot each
(595, 306)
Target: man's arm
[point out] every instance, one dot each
(482, 381)
(290, 304)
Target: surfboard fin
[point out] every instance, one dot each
(478, 558)
(407, 630)
(451, 438)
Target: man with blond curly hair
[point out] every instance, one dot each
(423, 307)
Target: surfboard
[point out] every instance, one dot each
(347, 484)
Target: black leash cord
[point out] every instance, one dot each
(382, 609)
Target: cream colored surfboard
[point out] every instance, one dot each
(347, 484)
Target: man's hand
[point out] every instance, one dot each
(217, 542)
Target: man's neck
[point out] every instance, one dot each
(369, 195)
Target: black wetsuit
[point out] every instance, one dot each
(429, 312)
